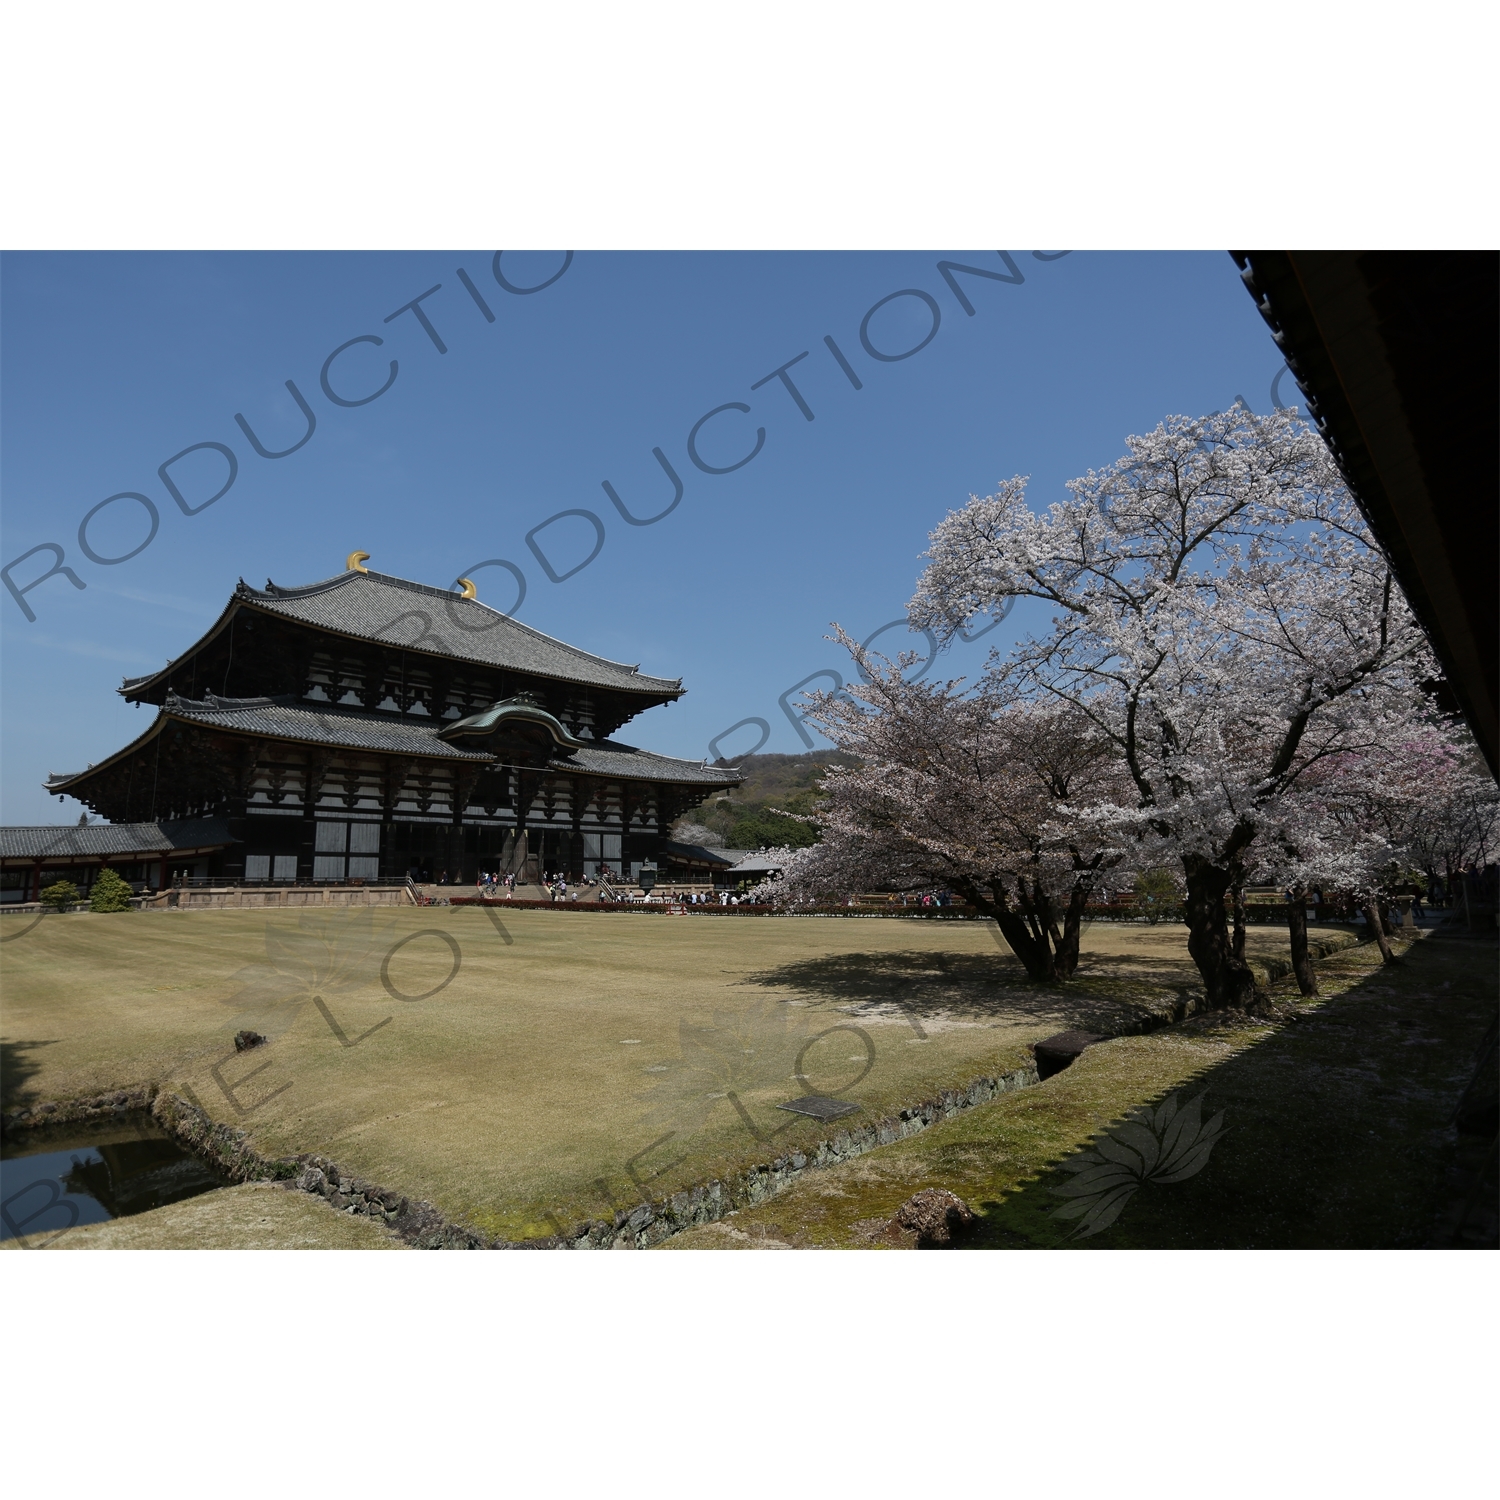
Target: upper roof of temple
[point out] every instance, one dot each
(375, 607)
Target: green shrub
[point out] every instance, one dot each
(1156, 894)
(63, 894)
(109, 893)
(768, 830)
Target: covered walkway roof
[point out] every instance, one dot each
(83, 843)
(1398, 354)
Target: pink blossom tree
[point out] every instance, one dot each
(973, 793)
(1223, 622)
(1438, 805)
(1367, 821)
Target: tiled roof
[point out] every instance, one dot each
(610, 758)
(758, 864)
(357, 729)
(700, 853)
(93, 840)
(320, 724)
(377, 607)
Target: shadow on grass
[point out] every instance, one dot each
(1338, 1126)
(17, 1069)
(974, 986)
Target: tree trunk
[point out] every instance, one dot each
(1238, 900)
(1036, 955)
(1371, 909)
(1227, 980)
(1048, 954)
(1296, 925)
(1067, 947)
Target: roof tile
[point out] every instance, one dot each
(378, 607)
(91, 840)
(357, 729)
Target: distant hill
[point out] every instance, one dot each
(742, 818)
(773, 775)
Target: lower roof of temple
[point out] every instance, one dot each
(332, 726)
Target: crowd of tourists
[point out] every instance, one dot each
(492, 886)
(556, 886)
(707, 898)
(922, 898)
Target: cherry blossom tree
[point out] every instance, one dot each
(1324, 837)
(1367, 821)
(969, 792)
(1223, 622)
(1443, 809)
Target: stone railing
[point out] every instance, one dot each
(205, 898)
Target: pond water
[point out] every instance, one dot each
(52, 1180)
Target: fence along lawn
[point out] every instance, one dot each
(556, 1067)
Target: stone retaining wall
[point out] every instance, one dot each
(113, 1105)
(649, 1224)
(228, 1150)
(255, 896)
(1317, 948)
(423, 1226)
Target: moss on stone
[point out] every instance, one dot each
(1336, 1116)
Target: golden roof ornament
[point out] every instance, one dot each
(355, 562)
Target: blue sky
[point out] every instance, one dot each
(113, 363)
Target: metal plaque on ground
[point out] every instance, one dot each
(819, 1107)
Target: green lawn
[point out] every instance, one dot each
(1334, 1128)
(252, 1216)
(557, 1065)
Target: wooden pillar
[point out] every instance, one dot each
(528, 783)
(246, 763)
(666, 813)
(626, 811)
(577, 801)
(441, 678)
(464, 779)
(393, 781)
(314, 772)
(375, 664)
